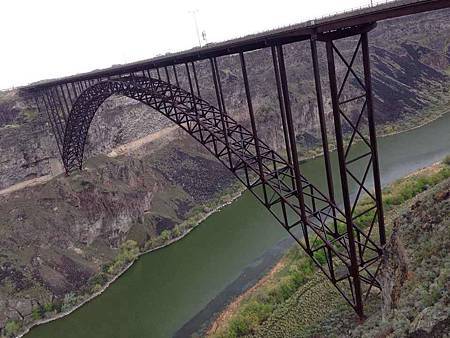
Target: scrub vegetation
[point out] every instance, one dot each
(195, 216)
(297, 299)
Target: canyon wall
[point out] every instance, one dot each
(57, 235)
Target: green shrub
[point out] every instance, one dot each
(446, 160)
(249, 318)
(287, 288)
(12, 328)
(38, 313)
(128, 252)
(320, 257)
(29, 114)
(70, 299)
(177, 232)
(57, 305)
(238, 327)
(165, 235)
(105, 267)
(99, 278)
(48, 307)
(96, 288)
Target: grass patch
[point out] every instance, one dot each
(29, 114)
(298, 269)
(255, 309)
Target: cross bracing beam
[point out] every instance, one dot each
(277, 184)
(310, 216)
(331, 234)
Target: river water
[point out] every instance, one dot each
(173, 291)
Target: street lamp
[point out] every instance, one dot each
(194, 14)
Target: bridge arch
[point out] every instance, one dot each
(303, 210)
(200, 119)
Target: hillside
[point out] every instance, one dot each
(64, 239)
(414, 275)
(411, 59)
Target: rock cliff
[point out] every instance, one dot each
(56, 236)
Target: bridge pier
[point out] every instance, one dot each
(334, 237)
(356, 247)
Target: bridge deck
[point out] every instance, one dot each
(298, 32)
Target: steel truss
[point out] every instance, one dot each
(348, 254)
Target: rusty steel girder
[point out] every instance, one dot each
(331, 234)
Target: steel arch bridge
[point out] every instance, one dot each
(348, 254)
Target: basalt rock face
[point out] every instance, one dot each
(27, 145)
(55, 236)
(27, 149)
(410, 57)
(410, 62)
(415, 273)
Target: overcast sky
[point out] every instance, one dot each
(43, 39)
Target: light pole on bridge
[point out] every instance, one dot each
(194, 14)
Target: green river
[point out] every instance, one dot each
(165, 289)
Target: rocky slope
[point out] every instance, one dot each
(56, 236)
(411, 58)
(295, 300)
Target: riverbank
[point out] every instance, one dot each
(251, 312)
(408, 123)
(224, 200)
(240, 240)
(193, 222)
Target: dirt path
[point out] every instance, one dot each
(25, 184)
(231, 308)
(118, 151)
(134, 145)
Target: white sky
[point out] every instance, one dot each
(42, 39)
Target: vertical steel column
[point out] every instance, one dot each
(167, 75)
(291, 132)
(176, 76)
(80, 87)
(281, 103)
(177, 117)
(219, 83)
(221, 109)
(253, 124)
(61, 89)
(74, 88)
(325, 148)
(54, 106)
(51, 122)
(58, 137)
(65, 116)
(68, 93)
(354, 268)
(373, 137)
(152, 82)
(194, 103)
(323, 125)
(196, 79)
